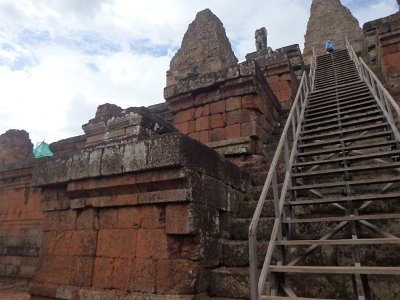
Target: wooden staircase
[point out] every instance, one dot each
(337, 216)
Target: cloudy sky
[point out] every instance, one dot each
(60, 59)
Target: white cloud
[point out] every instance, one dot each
(60, 59)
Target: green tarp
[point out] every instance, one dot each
(42, 150)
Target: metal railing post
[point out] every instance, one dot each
(253, 267)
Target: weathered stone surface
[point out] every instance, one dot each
(178, 276)
(20, 215)
(207, 110)
(145, 224)
(330, 20)
(382, 49)
(15, 147)
(261, 39)
(230, 282)
(114, 123)
(205, 49)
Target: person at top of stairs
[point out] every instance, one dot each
(329, 46)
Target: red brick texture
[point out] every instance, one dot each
(150, 231)
(21, 218)
(235, 117)
(391, 59)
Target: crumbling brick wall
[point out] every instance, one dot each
(382, 50)
(135, 216)
(232, 111)
(20, 215)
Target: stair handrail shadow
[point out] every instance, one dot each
(294, 121)
(381, 95)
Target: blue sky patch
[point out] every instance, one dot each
(144, 46)
(88, 44)
(93, 67)
(30, 37)
(21, 63)
(7, 47)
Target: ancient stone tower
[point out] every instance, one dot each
(205, 49)
(330, 20)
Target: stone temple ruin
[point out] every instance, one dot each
(156, 202)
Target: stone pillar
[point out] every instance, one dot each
(261, 39)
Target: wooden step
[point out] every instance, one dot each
(367, 197)
(348, 158)
(342, 218)
(339, 69)
(372, 241)
(307, 137)
(335, 98)
(336, 270)
(345, 140)
(344, 87)
(336, 79)
(349, 88)
(369, 107)
(347, 121)
(345, 106)
(339, 102)
(338, 74)
(390, 143)
(334, 88)
(342, 106)
(342, 125)
(373, 167)
(344, 183)
(334, 62)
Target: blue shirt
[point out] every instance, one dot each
(329, 46)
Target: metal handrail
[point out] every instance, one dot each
(381, 95)
(294, 120)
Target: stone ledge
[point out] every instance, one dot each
(211, 80)
(390, 38)
(126, 156)
(233, 146)
(158, 197)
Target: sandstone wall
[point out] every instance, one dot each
(282, 69)
(330, 20)
(382, 48)
(226, 106)
(20, 215)
(232, 111)
(133, 219)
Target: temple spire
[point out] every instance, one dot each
(330, 20)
